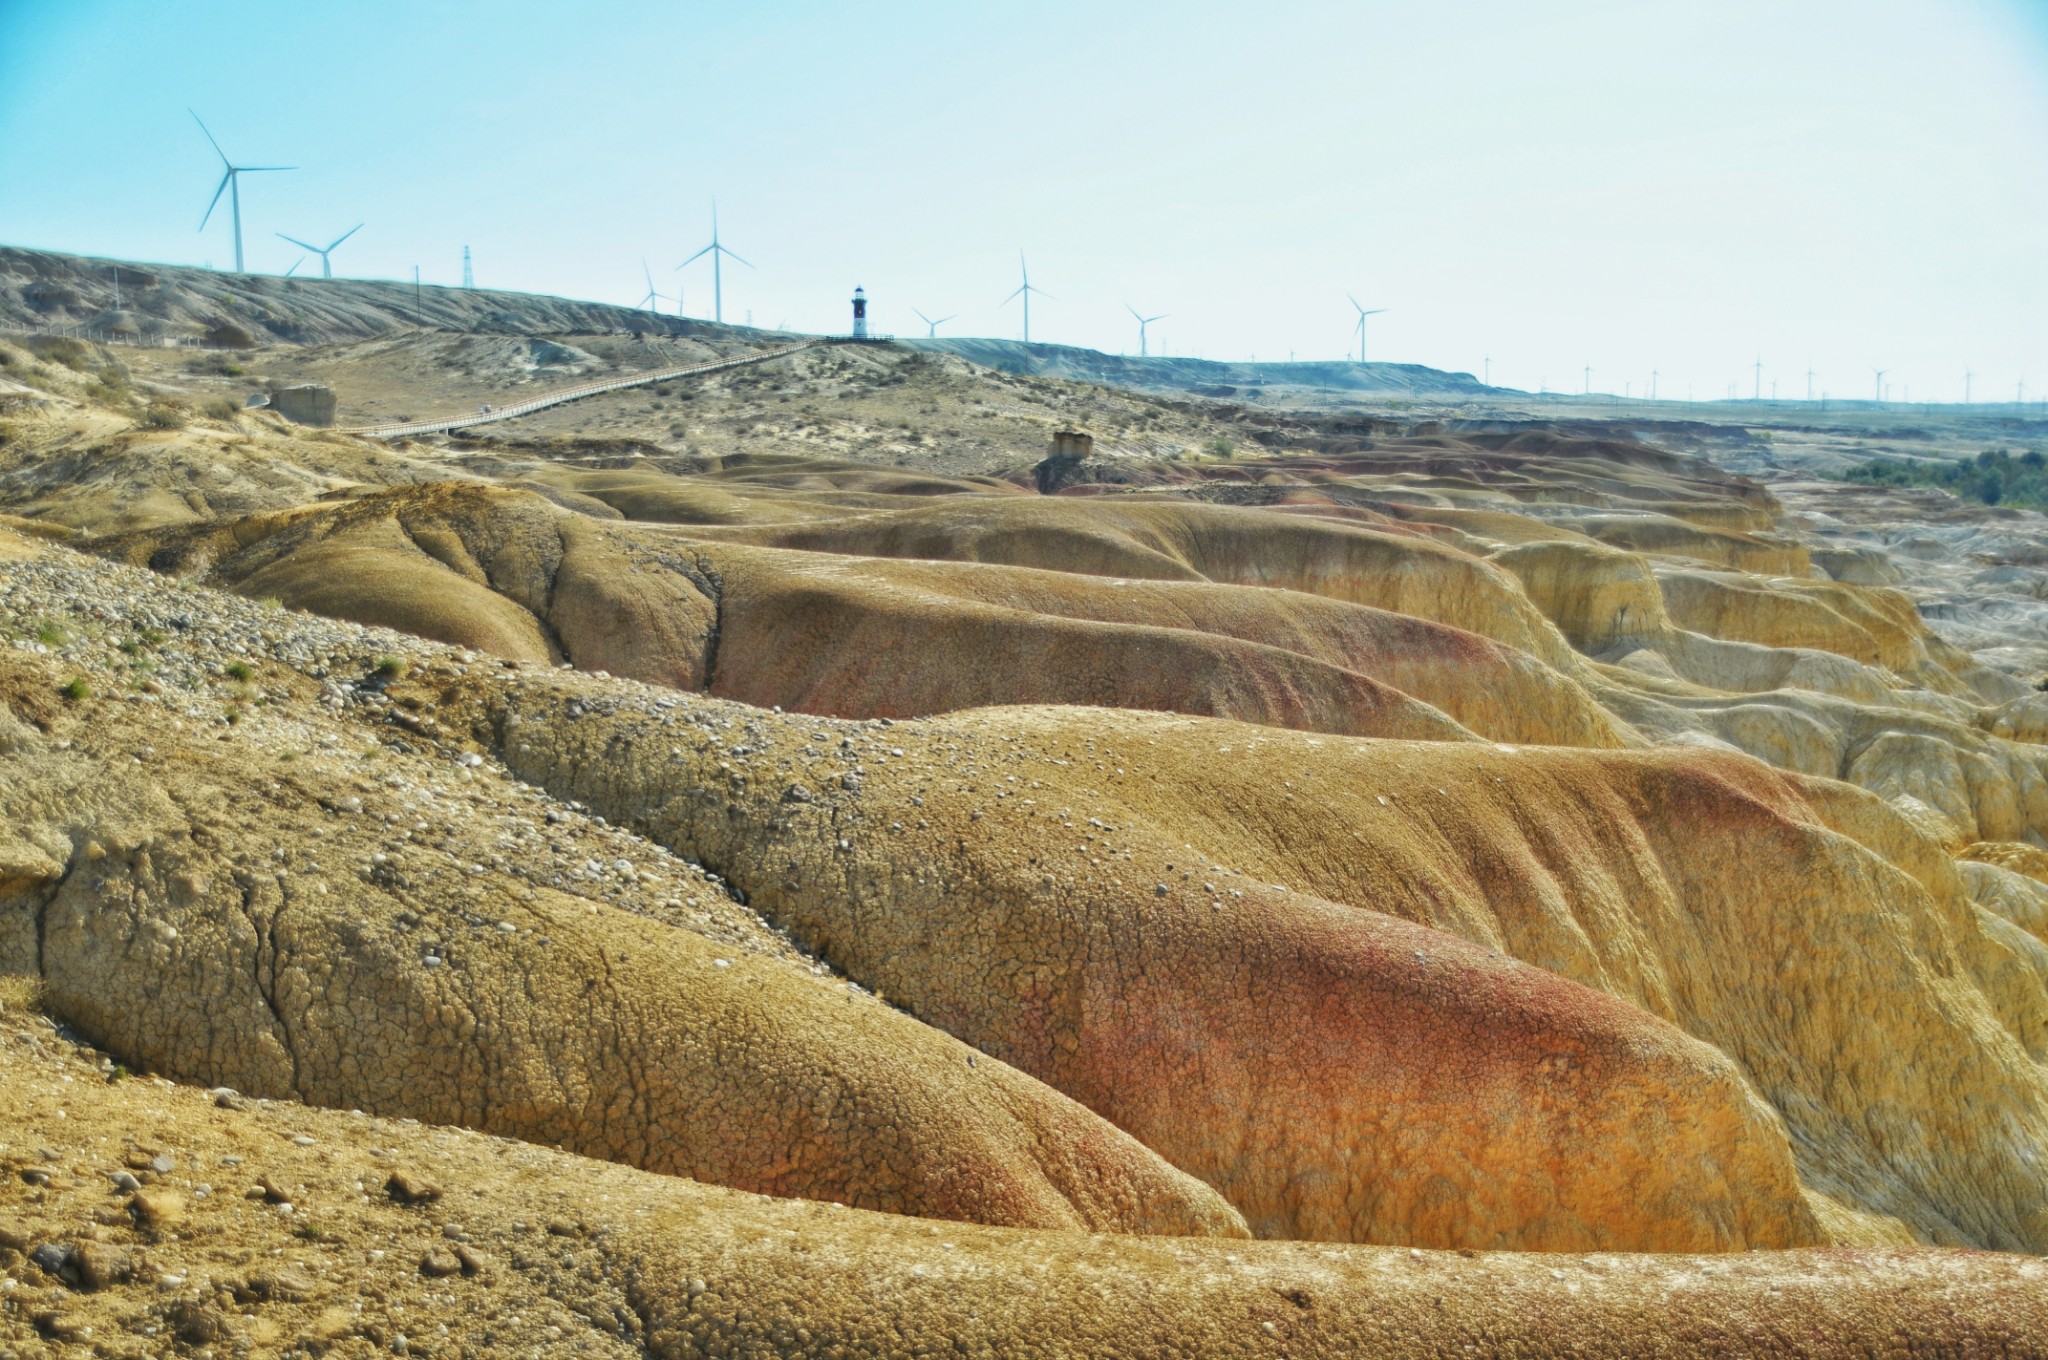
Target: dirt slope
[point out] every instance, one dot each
(517, 1248)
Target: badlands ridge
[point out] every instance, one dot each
(1336, 886)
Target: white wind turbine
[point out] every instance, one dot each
(1143, 322)
(932, 327)
(326, 267)
(231, 185)
(1363, 313)
(1025, 292)
(647, 303)
(715, 251)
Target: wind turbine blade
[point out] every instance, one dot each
(748, 263)
(649, 273)
(345, 235)
(248, 169)
(1134, 312)
(216, 199)
(922, 317)
(295, 263)
(1354, 302)
(1013, 297)
(209, 137)
(698, 256)
(300, 244)
(1374, 312)
(944, 319)
(1161, 317)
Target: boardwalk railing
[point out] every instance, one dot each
(566, 394)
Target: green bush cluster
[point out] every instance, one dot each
(1993, 477)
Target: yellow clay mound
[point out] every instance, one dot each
(1188, 541)
(1608, 869)
(815, 632)
(507, 573)
(559, 1255)
(202, 912)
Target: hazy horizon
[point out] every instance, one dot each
(1635, 188)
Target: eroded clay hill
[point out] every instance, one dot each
(1128, 990)
(1475, 841)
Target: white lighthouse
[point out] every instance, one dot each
(860, 314)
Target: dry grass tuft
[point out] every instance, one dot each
(20, 993)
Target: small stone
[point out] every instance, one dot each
(410, 1188)
(63, 1326)
(125, 1181)
(797, 793)
(1159, 889)
(52, 1257)
(163, 1164)
(398, 1344)
(101, 1266)
(284, 1286)
(194, 1323)
(473, 1261)
(439, 1264)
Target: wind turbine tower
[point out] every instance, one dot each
(1880, 372)
(1143, 322)
(1809, 382)
(1363, 313)
(1025, 291)
(468, 274)
(715, 250)
(231, 185)
(931, 326)
(326, 266)
(1654, 375)
(1758, 394)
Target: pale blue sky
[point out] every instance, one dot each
(1632, 185)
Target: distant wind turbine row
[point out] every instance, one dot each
(230, 185)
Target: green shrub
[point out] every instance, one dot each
(1993, 477)
(220, 408)
(162, 416)
(389, 668)
(75, 689)
(61, 349)
(239, 670)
